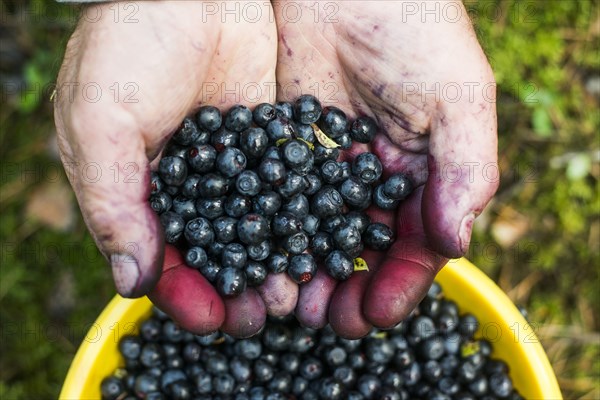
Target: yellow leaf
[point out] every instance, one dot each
(325, 140)
(360, 264)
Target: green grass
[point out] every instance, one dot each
(53, 283)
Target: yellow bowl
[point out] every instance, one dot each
(501, 323)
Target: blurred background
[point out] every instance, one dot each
(539, 238)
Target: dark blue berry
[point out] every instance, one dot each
(359, 219)
(363, 129)
(210, 208)
(151, 355)
(354, 192)
(130, 347)
(254, 142)
(277, 262)
(238, 118)
(237, 205)
(253, 228)
(156, 184)
(382, 201)
(294, 184)
(213, 185)
(230, 282)
(284, 109)
(187, 133)
(225, 228)
(398, 187)
(280, 128)
(331, 172)
(272, 171)
(256, 273)
(199, 232)
(295, 243)
(378, 236)
(234, 255)
(224, 138)
(331, 388)
(321, 244)
(305, 132)
(333, 122)
(367, 167)
(368, 385)
(172, 170)
(223, 384)
(297, 205)
(346, 236)
(307, 109)
(322, 154)
(263, 371)
(146, 383)
(209, 118)
(285, 223)
(173, 225)
(302, 268)
(184, 207)
(248, 183)
(160, 202)
(191, 186)
(326, 202)
(231, 161)
(310, 224)
(266, 203)
(311, 368)
(201, 157)
(295, 153)
(344, 141)
(259, 252)
(196, 257)
(339, 265)
(263, 114)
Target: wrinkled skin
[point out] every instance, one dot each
(170, 57)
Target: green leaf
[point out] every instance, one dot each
(541, 122)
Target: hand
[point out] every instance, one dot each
(382, 62)
(151, 74)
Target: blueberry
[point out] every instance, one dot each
(230, 282)
(382, 201)
(326, 202)
(191, 353)
(310, 224)
(330, 224)
(305, 132)
(354, 192)
(266, 203)
(467, 325)
(430, 307)
(277, 262)
(151, 355)
(344, 141)
(321, 244)
(295, 153)
(169, 376)
(398, 187)
(285, 223)
(150, 330)
(184, 207)
(237, 205)
(172, 190)
(333, 122)
(240, 369)
(160, 202)
(331, 172)
(234, 255)
(322, 154)
(156, 184)
(302, 268)
(259, 252)
(359, 219)
(253, 228)
(250, 349)
(297, 205)
(191, 186)
(311, 368)
(196, 257)
(294, 184)
(130, 347)
(210, 208)
(173, 149)
(256, 273)
(238, 118)
(225, 228)
(111, 388)
(296, 243)
(412, 374)
(263, 371)
(201, 157)
(209, 118)
(224, 138)
(346, 236)
(172, 170)
(500, 385)
(263, 114)
(223, 384)
(432, 348)
(378, 236)
(272, 152)
(280, 128)
(231, 161)
(213, 185)
(146, 383)
(187, 133)
(368, 385)
(203, 383)
(307, 109)
(339, 265)
(173, 225)
(313, 184)
(248, 183)
(363, 129)
(272, 171)
(367, 167)
(331, 388)
(284, 109)
(254, 142)
(199, 232)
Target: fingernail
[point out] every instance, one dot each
(126, 273)
(464, 233)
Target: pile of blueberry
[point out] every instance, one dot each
(257, 192)
(430, 356)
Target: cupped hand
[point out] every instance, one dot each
(426, 81)
(126, 83)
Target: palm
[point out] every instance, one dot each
(369, 62)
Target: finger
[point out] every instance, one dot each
(313, 302)
(245, 316)
(279, 293)
(184, 294)
(345, 310)
(462, 160)
(406, 272)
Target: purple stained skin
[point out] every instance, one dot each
(362, 61)
(279, 293)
